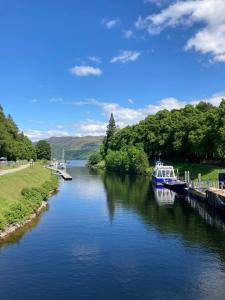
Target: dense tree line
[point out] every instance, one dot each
(14, 145)
(193, 133)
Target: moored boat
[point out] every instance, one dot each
(163, 174)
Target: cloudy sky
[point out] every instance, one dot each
(66, 65)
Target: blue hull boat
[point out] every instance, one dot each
(161, 181)
(163, 174)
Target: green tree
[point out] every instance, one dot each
(14, 144)
(43, 150)
(130, 159)
(94, 158)
(111, 130)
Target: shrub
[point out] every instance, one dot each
(30, 202)
(16, 213)
(95, 158)
(130, 159)
(2, 223)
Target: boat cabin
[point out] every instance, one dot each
(163, 173)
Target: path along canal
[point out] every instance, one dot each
(108, 236)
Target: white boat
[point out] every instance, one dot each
(163, 174)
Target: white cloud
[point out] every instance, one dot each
(39, 122)
(60, 126)
(157, 2)
(111, 23)
(126, 116)
(126, 56)
(131, 101)
(209, 14)
(90, 127)
(123, 115)
(36, 135)
(128, 34)
(85, 71)
(55, 100)
(34, 101)
(95, 59)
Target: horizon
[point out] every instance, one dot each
(65, 68)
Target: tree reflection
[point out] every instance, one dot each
(181, 218)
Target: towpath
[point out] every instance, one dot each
(9, 171)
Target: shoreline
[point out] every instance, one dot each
(13, 228)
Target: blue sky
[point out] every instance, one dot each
(66, 65)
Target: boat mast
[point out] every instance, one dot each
(63, 155)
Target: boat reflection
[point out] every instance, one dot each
(164, 197)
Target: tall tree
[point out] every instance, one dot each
(111, 130)
(111, 127)
(43, 150)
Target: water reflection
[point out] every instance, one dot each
(164, 196)
(180, 217)
(211, 216)
(110, 236)
(16, 236)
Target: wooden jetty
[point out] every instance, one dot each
(65, 175)
(62, 173)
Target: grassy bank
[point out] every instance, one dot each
(208, 172)
(21, 193)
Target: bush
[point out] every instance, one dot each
(130, 159)
(30, 202)
(16, 213)
(2, 223)
(95, 158)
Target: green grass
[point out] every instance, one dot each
(11, 185)
(208, 172)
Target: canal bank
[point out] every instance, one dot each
(111, 236)
(23, 195)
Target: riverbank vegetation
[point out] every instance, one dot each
(22, 193)
(193, 134)
(14, 145)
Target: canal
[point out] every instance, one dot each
(108, 236)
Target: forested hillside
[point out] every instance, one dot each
(74, 147)
(13, 144)
(193, 133)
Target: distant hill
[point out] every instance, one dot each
(74, 147)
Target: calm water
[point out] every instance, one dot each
(106, 236)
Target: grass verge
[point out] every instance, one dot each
(208, 172)
(22, 193)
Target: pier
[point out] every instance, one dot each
(211, 192)
(62, 173)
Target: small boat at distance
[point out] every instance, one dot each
(163, 174)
